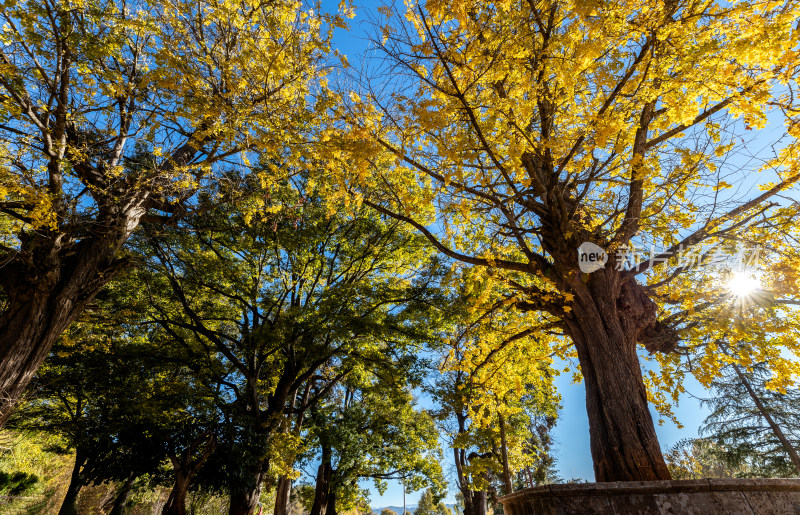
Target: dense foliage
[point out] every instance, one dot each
(236, 270)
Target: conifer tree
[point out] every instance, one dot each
(754, 426)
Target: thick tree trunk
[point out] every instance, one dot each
(122, 496)
(244, 500)
(331, 504)
(282, 496)
(28, 330)
(185, 467)
(608, 316)
(323, 485)
(69, 506)
(474, 502)
(46, 292)
(479, 502)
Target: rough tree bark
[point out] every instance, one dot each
(330, 508)
(244, 499)
(478, 502)
(610, 314)
(176, 502)
(46, 291)
(282, 496)
(185, 468)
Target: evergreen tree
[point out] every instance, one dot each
(442, 509)
(700, 458)
(756, 426)
(426, 504)
(491, 400)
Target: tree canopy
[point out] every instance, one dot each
(511, 134)
(246, 264)
(112, 112)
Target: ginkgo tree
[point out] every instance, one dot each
(494, 380)
(87, 88)
(511, 133)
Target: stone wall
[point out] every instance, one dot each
(693, 496)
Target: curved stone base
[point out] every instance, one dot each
(692, 496)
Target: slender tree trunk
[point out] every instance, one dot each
(282, 496)
(776, 429)
(463, 484)
(331, 504)
(44, 297)
(607, 318)
(176, 502)
(69, 506)
(529, 477)
(284, 489)
(504, 455)
(122, 496)
(322, 489)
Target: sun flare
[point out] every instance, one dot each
(742, 284)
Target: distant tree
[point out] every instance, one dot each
(542, 469)
(698, 458)
(757, 427)
(491, 399)
(369, 428)
(442, 509)
(426, 504)
(387, 511)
